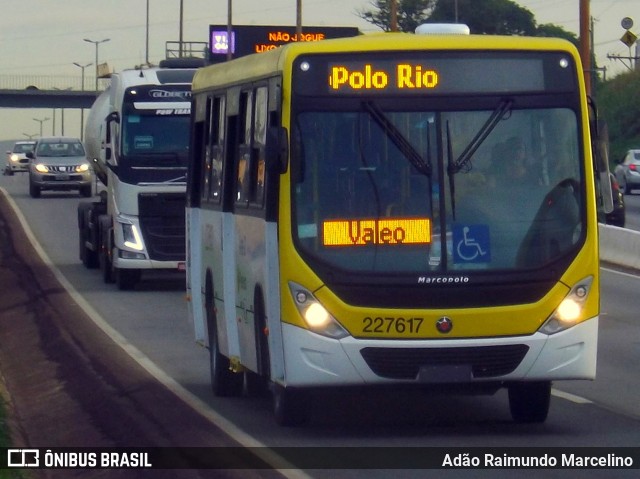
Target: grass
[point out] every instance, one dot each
(5, 441)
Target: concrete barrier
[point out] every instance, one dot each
(620, 246)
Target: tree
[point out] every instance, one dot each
(493, 17)
(410, 13)
(497, 17)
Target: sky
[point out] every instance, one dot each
(45, 37)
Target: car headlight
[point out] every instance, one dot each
(315, 314)
(82, 168)
(40, 168)
(569, 311)
(15, 158)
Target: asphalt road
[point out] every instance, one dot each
(150, 323)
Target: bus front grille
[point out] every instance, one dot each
(405, 363)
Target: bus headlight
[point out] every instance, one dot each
(314, 314)
(569, 311)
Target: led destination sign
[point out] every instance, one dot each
(403, 76)
(387, 231)
(433, 73)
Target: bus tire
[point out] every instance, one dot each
(529, 401)
(257, 383)
(290, 406)
(224, 382)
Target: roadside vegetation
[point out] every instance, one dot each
(617, 99)
(619, 104)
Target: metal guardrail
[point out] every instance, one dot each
(620, 246)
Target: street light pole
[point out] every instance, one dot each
(82, 109)
(96, 43)
(41, 121)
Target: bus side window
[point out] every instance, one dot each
(205, 153)
(217, 148)
(243, 170)
(259, 142)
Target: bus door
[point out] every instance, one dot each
(249, 222)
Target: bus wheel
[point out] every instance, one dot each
(290, 406)
(257, 384)
(529, 401)
(224, 382)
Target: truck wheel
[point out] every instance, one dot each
(126, 279)
(88, 256)
(529, 401)
(105, 266)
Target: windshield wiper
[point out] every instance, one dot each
(398, 139)
(454, 167)
(465, 157)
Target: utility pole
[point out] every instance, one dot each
(394, 16)
(82, 67)
(180, 55)
(585, 44)
(229, 29)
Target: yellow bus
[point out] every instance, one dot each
(395, 209)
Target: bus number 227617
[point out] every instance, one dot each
(390, 325)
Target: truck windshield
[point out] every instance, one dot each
(374, 190)
(150, 139)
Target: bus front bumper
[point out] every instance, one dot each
(314, 360)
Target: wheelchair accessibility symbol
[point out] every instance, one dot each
(471, 244)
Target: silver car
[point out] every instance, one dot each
(17, 160)
(628, 172)
(59, 163)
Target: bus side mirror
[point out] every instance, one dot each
(600, 151)
(277, 149)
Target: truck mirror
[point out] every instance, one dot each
(277, 149)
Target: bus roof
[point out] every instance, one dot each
(263, 65)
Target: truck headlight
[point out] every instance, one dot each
(131, 236)
(82, 168)
(569, 311)
(315, 314)
(40, 168)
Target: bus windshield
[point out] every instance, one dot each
(392, 187)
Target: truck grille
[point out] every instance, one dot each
(162, 220)
(405, 363)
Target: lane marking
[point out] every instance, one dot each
(621, 273)
(193, 401)
(570, 397)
